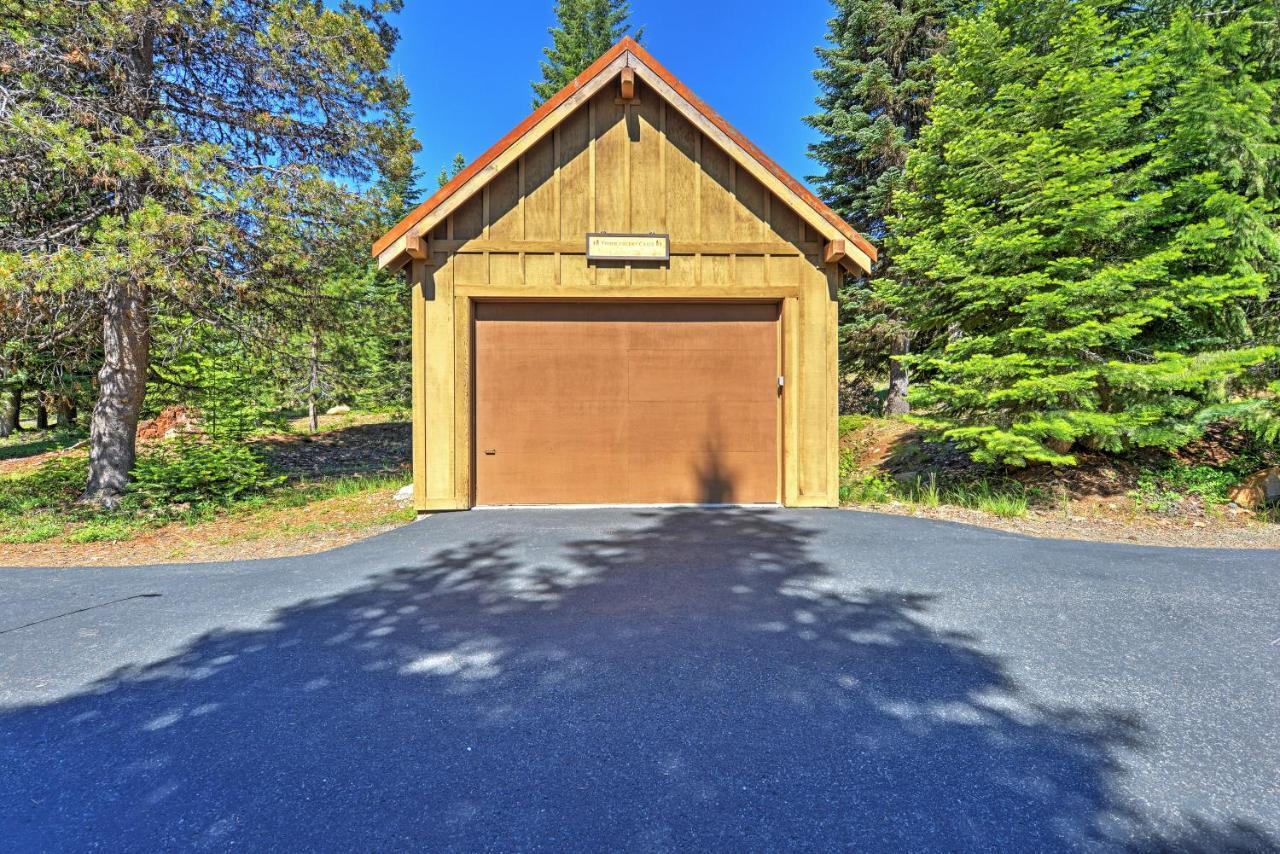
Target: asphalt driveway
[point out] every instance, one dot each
(650, 680)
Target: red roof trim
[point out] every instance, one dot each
(627, 44)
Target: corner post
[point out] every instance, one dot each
(417, 278)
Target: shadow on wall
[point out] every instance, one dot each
(692, 681)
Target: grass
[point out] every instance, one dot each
(105, 530)
(296, 421)
(302, 493)
(1001, 497)
(37, 504)
(34, 531)
(1006, 500)
(29, 443)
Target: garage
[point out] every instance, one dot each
(626, 403)
(624, 301)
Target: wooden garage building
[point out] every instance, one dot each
(624, 301)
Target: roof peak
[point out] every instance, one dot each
(478, 173)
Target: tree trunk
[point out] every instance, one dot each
(896, 402)
(66, 410)
(314, 383)
(42, 411)
(15, 408)
(11, 416)
(8, 417)
(126, 326)
(122, 383)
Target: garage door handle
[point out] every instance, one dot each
(489, 452)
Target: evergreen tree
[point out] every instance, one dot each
(399, 187)
(1079, 231)
(186, 131)
(585, 29)
(447, 173)
(876, 80)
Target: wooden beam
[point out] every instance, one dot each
(416, 247)
(627, 84)
(834, 252)
(578, 247)
(728, 291)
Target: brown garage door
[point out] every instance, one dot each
(635, 403)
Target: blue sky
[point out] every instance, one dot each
(468, 67)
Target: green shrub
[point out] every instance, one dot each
(189, 471)
(847, 464)
(870, 489)
(1160, 489)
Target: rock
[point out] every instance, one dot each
(405, 493)
(340, 409)
(1258, 489)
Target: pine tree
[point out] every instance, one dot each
(448, 173)
(1222, 79)
(876, 82)
(1078, 233)
(585, 30)
(183, 138)
(399, 186)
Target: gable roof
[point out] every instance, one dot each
(626, 53)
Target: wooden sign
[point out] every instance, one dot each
(628, 247)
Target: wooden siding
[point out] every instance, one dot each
(640, 169)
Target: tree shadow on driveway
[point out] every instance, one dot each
(694, 680)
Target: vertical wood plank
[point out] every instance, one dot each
(791, 401)
(716, 208)
(438, 390)
(468, 220)
(463, 441)
(612, 156)
(831, 383)
(576, 206)
(646, 182)
(542, 214)
(417, 271)
(813, 375)
(502, 205)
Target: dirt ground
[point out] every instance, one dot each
(1143, 531)
(282, 532)
(1094, 501)
(348, 445)
(365, 448)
